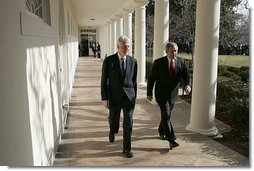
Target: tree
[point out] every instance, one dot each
(182, 20)
(233, 25)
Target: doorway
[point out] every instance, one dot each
(88, 38)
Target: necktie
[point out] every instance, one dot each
(172, 70)
(122, 66)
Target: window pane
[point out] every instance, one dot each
(35, 7)
(41, 8)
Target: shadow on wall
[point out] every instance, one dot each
(45, 116)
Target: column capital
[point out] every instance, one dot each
(128, 11)
(120, 15)
(108, 22)
(140, 3)
(112, 20)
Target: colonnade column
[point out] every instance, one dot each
(108, 39)
(113, 36)
(140, 37)
(161, 28)
(101, 37)
(202, 119)
(127, 26)
(103, 43)
(119, 26)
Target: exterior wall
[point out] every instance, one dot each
(36, 75)
(68, 44)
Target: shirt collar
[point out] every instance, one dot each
(119, 56)
(169, 60)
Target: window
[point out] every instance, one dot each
(40, 8)
(88, 30)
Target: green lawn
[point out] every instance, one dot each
(231, 60)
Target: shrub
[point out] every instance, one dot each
(221, 69)
(233, 69)
(148, 68)
(244, 75)
(230, 75)
(234, 72)
(244, 68)
(232, 103)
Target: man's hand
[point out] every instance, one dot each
(149, 98)
(105, 104)
(187, 89)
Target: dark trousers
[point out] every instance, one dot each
(165, 126)
(114, 118)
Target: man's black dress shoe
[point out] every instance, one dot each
(173, 144)
(111, 137)
(128, 154)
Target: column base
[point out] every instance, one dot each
(208, 132)
(142, 84)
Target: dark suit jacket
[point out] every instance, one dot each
(166, 89)
(113, 85)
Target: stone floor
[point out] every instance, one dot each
(85, 141)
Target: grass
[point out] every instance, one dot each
(230, 60)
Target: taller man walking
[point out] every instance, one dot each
(119, 91)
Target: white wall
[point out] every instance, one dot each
(33, 74)
(69, 47)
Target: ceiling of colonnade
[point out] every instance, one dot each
(99, 10)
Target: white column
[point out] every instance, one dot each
(119, 26)
(161, 28)
(103, 43)
(127, 26)
(106, 39)
(202, 119)
(113, 36)
(140, 37)
(109, 39)
(100, 34)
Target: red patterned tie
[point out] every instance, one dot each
(172, 70)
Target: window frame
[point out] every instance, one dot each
(40, 9)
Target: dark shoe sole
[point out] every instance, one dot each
(173, 145)
(111, 138)
(128, 154)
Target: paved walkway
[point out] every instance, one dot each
(85, 142)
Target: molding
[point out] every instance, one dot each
(128, 11)
(208, 132)
(140, 3)
(119, 16)
(113, 19)
(31, 25)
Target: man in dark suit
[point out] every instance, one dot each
(166, 74)
(119, 91)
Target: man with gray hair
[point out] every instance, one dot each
(119, 91)
(166, 74)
